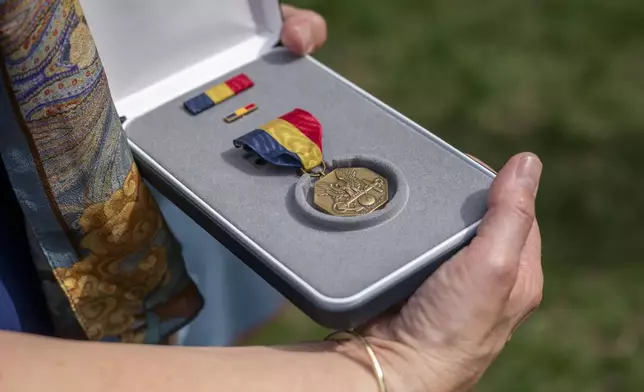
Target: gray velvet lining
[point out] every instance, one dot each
(446, 192)
(398, 196)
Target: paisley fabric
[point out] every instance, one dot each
(110, 267)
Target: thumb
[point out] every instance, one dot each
(511, 212)
(304, 31)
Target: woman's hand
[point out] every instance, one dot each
(455, 325)
(304, 31)
(446, 336)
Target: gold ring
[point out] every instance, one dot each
(321, 174)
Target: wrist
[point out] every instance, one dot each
(355, 361)
(404, 369)
(439, 369)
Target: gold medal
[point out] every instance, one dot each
(350, 191)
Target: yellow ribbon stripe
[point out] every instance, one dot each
(294, 141)
(220, 93)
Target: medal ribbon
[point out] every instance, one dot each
(218, 94)
(294, 140)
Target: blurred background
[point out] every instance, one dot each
(564, 79)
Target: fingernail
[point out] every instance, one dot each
(529, 172)
(306, 37)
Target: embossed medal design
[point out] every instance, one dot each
(350, 192)
(295, 140)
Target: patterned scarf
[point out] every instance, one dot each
(111, 269)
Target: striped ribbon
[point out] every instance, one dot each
(218, 94)
(294, 139)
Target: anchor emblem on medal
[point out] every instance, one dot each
(295, 140)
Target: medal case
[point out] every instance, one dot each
(341, 271)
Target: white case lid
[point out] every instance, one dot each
(156, 50)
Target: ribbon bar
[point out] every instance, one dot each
(218, 94)
(294, 139)
(241, 112)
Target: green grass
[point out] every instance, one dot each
(564, 79)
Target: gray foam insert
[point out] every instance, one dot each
(446, 192)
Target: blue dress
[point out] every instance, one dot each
(22, 305)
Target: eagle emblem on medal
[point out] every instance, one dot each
(350, 192)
